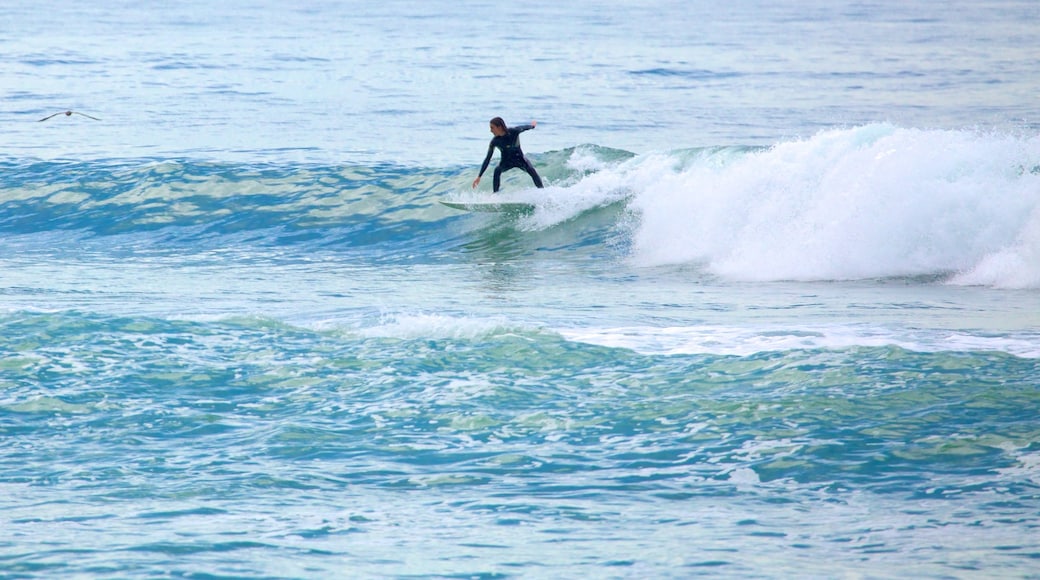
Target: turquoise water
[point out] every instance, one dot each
(774, 315)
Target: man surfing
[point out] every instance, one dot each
(507, 139)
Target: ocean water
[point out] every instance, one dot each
(776, 313)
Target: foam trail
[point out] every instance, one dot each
(870, 202)
(587, 178)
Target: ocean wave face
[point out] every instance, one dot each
(869, 202)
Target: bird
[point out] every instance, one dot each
(67, 114)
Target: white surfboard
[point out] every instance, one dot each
(492, 206)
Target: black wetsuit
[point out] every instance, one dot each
(509, 147)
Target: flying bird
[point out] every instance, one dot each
(68, 114)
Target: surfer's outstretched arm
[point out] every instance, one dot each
(484, 166)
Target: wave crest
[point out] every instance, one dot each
(872, 202)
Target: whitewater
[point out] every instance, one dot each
(775, 314)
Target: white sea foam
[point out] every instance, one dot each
(435, 326)
(740, 341)
(869, 202)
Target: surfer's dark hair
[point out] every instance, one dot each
(498, 122)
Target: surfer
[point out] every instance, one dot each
(507, 139)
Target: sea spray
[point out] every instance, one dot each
(870, 202)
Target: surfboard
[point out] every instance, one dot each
(492, 206)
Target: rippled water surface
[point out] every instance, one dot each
(775, 313)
